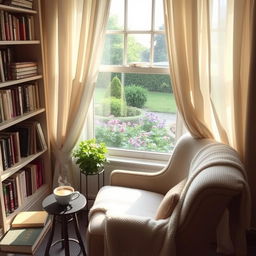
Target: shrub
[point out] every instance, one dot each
(115, 89)
(114, 106)
(136, 96)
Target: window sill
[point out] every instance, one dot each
(136, 163)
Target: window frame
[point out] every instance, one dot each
(149, 68)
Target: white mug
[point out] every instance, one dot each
(65, 194)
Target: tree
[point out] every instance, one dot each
(136, 51)
(114, 46)
(160, 54)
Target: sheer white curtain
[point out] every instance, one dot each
(74, 33)
(209, 45)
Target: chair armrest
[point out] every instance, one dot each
(139, 180)
(134, 235)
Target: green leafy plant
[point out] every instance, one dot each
(90, 156)
(136, 96)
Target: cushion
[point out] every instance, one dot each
(169, 201)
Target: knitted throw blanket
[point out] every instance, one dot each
(139, 236)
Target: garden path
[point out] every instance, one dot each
(169, 117)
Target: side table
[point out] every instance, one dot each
(102, 172)
(65, 214)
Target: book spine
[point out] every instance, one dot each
(4, 154)
(2, 68)
(6, 24)
(1, 109)
(23, 184)
(17, 183)
(3, 34)
(37, 96)
(20, 100)
(28, 181)
(5, 63)
(5, 199)
(14, 192)
(10, 26)
(11, 196)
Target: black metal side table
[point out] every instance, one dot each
(64, 214)
(102, 172)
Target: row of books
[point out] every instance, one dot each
(16, 26)
(18, 100)
(11, 70)
(21, 185)
(22, 140)
(19, 3)
(21, 70)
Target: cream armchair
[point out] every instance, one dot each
(124, 219)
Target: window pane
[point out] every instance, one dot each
(139, 14)
(159, 17)
(135, 111)
(116, 15)
(138, 49)
(160, 53)
(113, 50)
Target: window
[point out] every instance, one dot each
(134, 105)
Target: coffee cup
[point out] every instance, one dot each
(65, 194)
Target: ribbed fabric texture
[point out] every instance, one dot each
(140, 235)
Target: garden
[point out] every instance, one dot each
(126, 117)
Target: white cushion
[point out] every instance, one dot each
(124, 201)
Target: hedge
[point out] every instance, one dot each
(152, 82)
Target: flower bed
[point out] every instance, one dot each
(148, 134)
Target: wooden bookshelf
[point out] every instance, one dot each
(27, 51)
(24, 80)
(17, 9)
(19, 42)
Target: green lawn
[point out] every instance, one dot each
(156, 101)
(161, 102)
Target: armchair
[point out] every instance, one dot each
(123, 218)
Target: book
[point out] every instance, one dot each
(17, 76)
(18, 70)
(23, 64)
(22, 182)
(17, 183)
(23, 240)
(40, 136)
(30, 219)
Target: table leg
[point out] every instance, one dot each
(65, 233)
(47, 250)
(78, 234)
(62, 233)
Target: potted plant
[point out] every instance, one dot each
(90, 156)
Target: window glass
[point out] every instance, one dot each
(139, 14)
(138, 48)
(113, 50)
(160, 53)
(116, 15)
(134, 107)
(159, 17)
(135, 111)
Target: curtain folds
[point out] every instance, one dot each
(209, 45)
(74, 34)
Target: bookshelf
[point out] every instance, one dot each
(24, 51)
